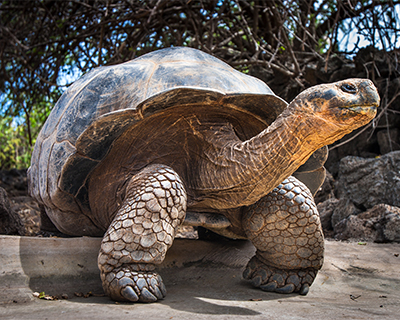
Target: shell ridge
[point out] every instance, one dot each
(149, 79)
(47, 177)
(72, 99)
(240, 76)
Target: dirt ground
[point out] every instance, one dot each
(357, 281)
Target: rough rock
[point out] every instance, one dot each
(325, 210)
(380, 65)
(29, 212)
(379, 224)
(23, 208)
(344, 208)
(356, 229)
(368, 182)
(386, 220)
(365, 145)
(14, 181)
(333, 214)
(10, 221)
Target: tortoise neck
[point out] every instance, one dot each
(283, 147)
(241, 172)
(279, 150)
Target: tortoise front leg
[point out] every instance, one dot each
(285, 228)
(140, 235)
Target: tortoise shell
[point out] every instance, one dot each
(98, 108)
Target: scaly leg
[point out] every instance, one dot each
(140, 234)
(285, 228)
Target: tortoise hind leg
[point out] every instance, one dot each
(285, 228)
(140, 235)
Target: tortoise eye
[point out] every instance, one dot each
(349, 88)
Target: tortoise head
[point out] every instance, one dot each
(344, 105)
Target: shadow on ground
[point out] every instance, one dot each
(197, 273)
(203, 280)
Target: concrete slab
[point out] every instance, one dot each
(203, 281)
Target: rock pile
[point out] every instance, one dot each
(364, 203)
(19, 213)
(10, 221)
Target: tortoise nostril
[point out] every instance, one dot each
(349, 88)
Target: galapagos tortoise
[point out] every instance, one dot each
(131, 151)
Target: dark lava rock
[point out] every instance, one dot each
(23, 208)
(379, 224)
(325, 210)
(10, 221)
(344, 209)
(368, 182)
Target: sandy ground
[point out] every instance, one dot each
(358, 281)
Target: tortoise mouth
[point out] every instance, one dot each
(362, 109)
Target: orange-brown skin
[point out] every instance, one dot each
(232, 177)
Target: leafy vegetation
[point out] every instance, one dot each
(45, 45)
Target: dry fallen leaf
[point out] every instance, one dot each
(44, 296)
(88, 294)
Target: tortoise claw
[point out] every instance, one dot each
(269, 287)
(257, 281)
(247, 273)
(129, 294)
(147, 296)
(271, 279)
(125, 284)
(273, 287)
(289, 288)
(162, 286)
(158, 293)
(304, 289)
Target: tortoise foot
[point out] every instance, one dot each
(272, 279)
(126, 284)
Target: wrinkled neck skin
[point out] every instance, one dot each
(240, 173)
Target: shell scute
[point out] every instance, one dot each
(55, 165)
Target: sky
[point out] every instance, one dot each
(354, 36)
